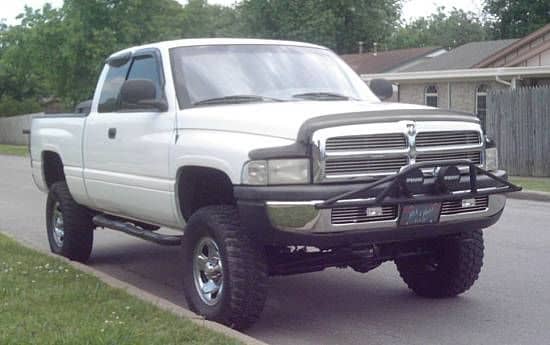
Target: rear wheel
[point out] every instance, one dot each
(69, 226)
(450, 271)
(225, 273)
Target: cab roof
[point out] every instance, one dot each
(213, 41)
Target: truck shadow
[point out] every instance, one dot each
(341, 301)
(345, 307)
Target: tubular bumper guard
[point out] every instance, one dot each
(302, 215)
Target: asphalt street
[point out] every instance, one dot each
(510, 303)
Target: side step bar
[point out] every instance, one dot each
(130, 229)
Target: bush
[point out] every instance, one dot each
(10, 106)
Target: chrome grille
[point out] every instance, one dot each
(358, 214)
(455, 206)
(367, 142)
(475, 156)
(365, 166)
(347, 153)
(448, 138)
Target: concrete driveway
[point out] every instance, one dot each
(510, 304)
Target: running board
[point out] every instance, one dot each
(130, 229)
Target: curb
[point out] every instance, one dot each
(150, 298)
(530, 195)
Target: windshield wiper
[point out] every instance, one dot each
(236, 99)
(324, 96)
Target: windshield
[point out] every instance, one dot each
(253, 73)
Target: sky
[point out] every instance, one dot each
(411, 8)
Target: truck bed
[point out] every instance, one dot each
(59, 134)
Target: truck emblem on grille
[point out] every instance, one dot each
(411, 129)
(411, 134)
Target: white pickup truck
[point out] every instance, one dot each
(273, 158)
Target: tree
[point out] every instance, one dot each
(28, 62)
(440, 29)
(96, 29)
(60, 52)
(338, 24)
(516, 18)
(203, 20)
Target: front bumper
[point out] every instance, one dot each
(305, 217)
(300, 215)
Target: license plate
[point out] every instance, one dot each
(420, 214)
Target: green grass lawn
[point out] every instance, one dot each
(14, 150)
(541, 184)
(45, 301)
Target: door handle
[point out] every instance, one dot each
(111, 133)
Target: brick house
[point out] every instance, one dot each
(461, 78)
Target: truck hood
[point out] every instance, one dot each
(284, 119)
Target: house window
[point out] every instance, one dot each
(430, 96)
(481, 103)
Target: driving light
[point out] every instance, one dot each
(414, 180)
(276, 171)
(491, 158)
(374, 211)
(414, 176)
(468, 203)
(448, 177)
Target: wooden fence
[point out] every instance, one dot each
(519, 121)
(11, 129)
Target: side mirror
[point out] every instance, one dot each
(382, 88)
(490, 142)
(141, 94)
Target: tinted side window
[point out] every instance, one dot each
(111, 88)
(146, 67)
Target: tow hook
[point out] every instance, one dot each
(369, 257)
(365, 251)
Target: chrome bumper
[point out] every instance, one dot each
(305, 217)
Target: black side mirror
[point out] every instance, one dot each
(490, 142)
(141, 94)
(382, 88)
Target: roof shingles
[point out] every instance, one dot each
(463, 57)
(385, 60)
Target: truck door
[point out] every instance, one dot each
(126, 151)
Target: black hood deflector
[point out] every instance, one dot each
(301, 147)
(314, 124)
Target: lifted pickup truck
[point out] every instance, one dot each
(273, 158)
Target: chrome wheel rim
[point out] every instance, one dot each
(208, 271)
(57, 225)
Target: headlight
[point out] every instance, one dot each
(491, 158)
(276, 171)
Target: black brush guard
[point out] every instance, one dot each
(396, 191)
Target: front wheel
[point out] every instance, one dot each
(451, 270)
(69, 226)
(225, 272)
